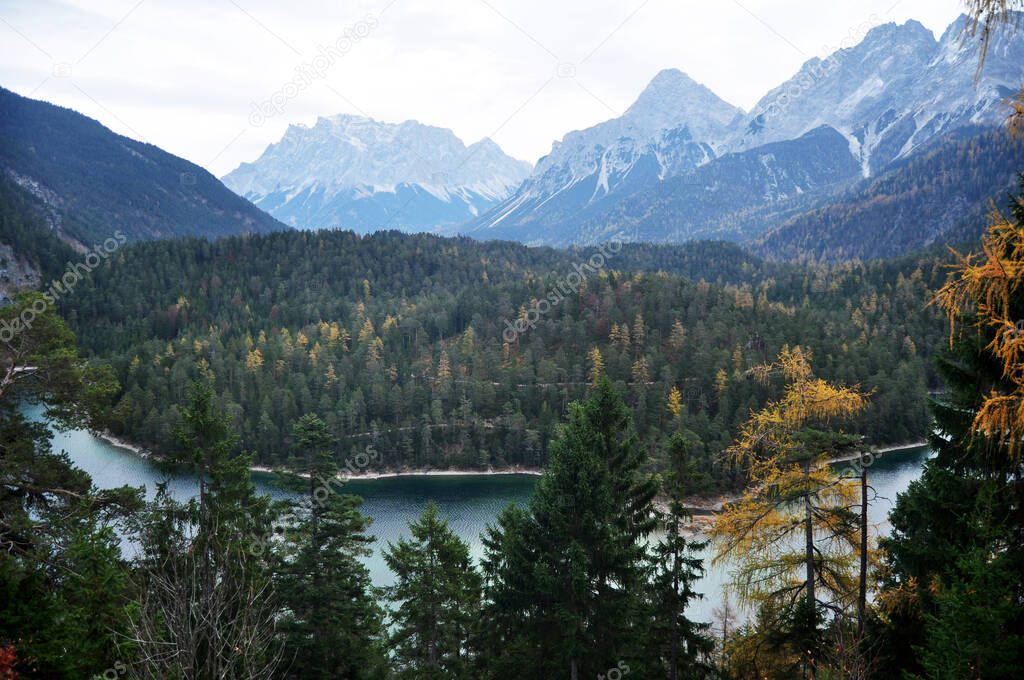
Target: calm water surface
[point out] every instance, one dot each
(469, 503)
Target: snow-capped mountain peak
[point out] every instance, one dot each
(671, 128)
(333, 172)
(896, 90)
(672, 100)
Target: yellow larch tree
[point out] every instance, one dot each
(791, 538)
(987, 288)
(619, 335)
(367, 332)
(677, 336)
(675, 402)
(639, 371)
(596, 366)
(254, 360)
(444, 367)
(334, 334)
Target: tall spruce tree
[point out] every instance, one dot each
(504, 645)
(576, 568)
(682, 647)
(436, 600)
(333, 625)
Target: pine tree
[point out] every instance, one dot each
(576, 566)
(333, 626)
(677, 336)
(504, 648)
(436, 598)
(953, 564)
(953, 561)
(682, 646)
(63, 583)
(639, 333)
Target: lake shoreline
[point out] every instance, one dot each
(702, 507)
(146, 454)
(119, 443)
(453, 472)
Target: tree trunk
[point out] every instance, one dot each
(673, 671)
(318, 604)
(809, 553)
(574, 672)
(862, 595)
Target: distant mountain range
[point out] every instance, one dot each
(356, 173)
(882, 148)
(681, 164)
(87, 182)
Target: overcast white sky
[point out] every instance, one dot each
(185, 74)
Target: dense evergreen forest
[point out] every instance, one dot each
(410, 343)
(571, 585)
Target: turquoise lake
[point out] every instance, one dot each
(469, 503)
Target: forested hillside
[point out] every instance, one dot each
(33, 239)
(410, 342)
(940, 195)
(97, 182)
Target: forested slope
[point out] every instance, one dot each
(940, 194)
(99, 182)
(405, 341)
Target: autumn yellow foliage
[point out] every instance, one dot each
(983, 285)
(792, 485)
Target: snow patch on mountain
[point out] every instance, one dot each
(329, 173)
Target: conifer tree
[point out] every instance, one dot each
(683, 646)
(436, 600)
(792, 533)
(63, 583)
(332, 627)
(503, 645)
(576, 565)
(952, 585)
(205, 607)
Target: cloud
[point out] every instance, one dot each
(185, 75)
